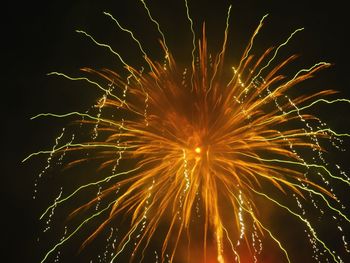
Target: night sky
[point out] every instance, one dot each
(40, 38)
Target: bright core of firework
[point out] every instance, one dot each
(206, 148)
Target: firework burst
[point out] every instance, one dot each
(188, 157)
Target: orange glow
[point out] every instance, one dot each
(204, 146)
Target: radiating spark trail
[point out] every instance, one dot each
(307, 134)
(307, 223)
(262, 226)
(158, 28)
(249, 47)
(91, 82)
(110, 122)
(133, 37)
(275, 53)
(127, 66)
(221, 54)
(107, 179)
(75, 231)
(316, 102)
(246, 53)
(193, 42)
(77, 145)
(105, 46)
(307, 165)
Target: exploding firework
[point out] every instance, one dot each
(195, 160)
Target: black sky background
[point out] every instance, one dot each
(39, 37)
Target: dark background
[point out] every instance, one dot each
(39, 37)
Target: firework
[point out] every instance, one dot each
(194, 159)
